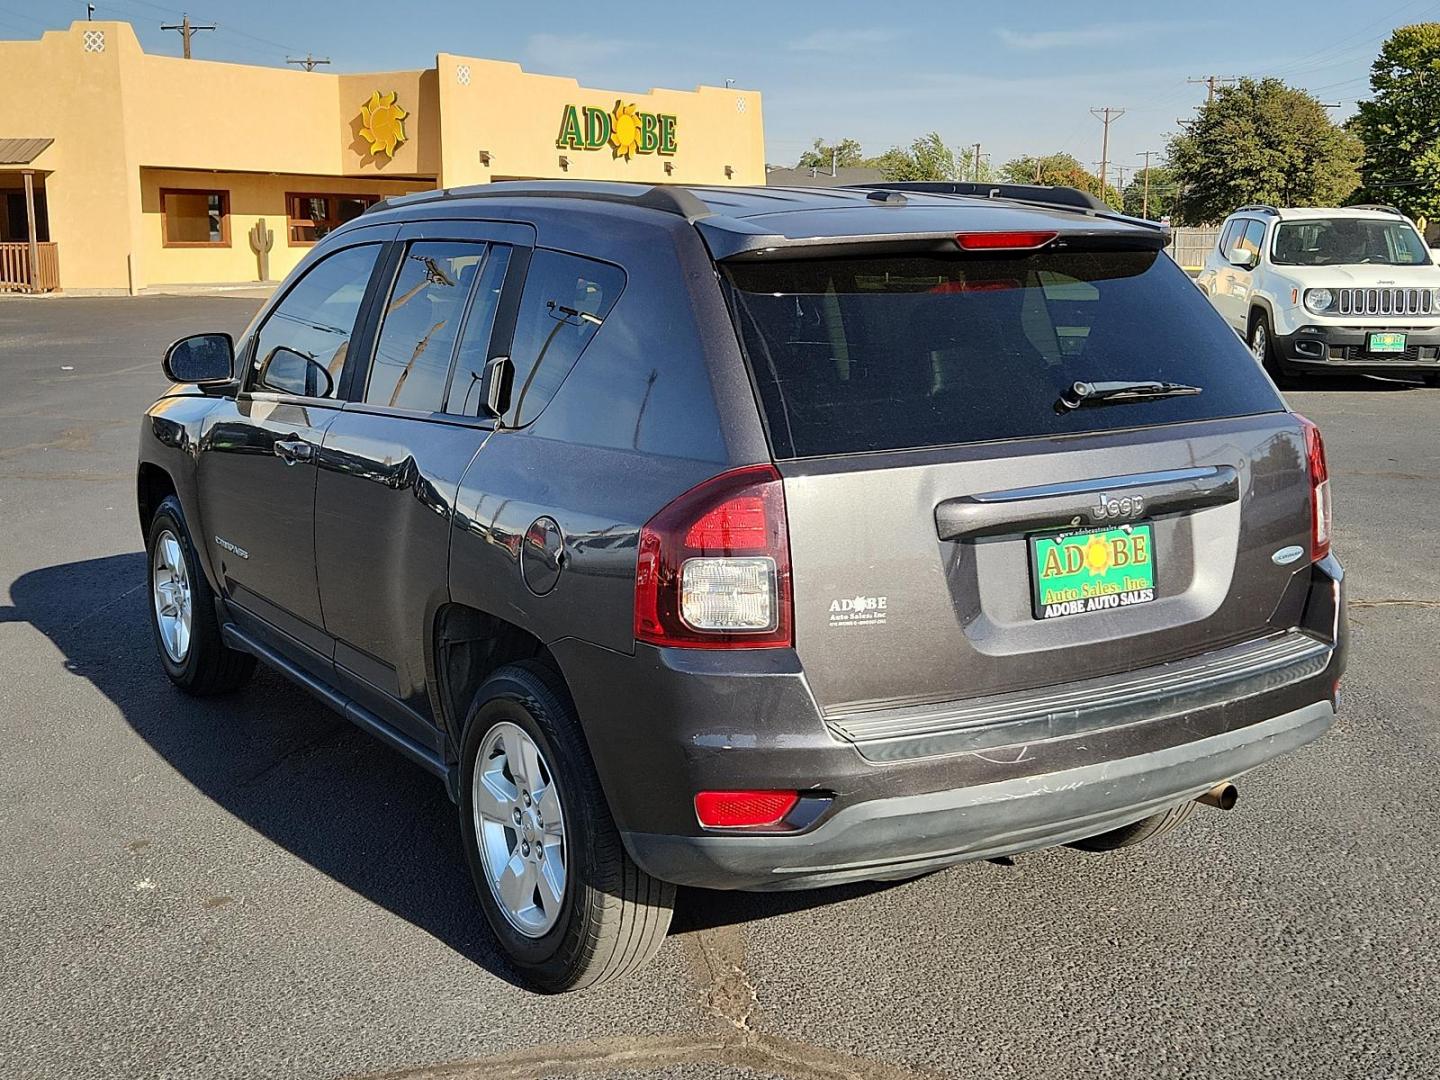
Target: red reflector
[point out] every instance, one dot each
(1003, 241)
(743, 809)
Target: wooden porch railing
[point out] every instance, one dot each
(15, 268)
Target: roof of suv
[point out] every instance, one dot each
(736, 220)
(1306, 213)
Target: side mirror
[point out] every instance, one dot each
(202, 359)
(1243, 257)
(286, 371)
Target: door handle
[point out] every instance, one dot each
(293, 451)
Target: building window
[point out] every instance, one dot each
(312, 216)
(196, 218)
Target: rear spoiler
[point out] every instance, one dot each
(1066, 197)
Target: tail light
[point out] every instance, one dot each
(714, 566)
(743, 809)
(1320, 510)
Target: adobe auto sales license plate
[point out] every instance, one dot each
(1387, 343)
(1091, 570)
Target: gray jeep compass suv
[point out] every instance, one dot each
(751, 538)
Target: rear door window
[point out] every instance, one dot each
(885, 353)
(566, 299)
(411, 369)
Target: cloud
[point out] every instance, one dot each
(843, 41)
(566, 54)
(1104, 34)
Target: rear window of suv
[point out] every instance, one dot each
(888, 353)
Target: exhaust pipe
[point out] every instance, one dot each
(1222, 796)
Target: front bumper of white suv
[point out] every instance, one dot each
(1349, 347)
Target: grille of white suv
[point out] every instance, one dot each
(1385, 301)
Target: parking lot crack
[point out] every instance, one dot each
(1399, 602)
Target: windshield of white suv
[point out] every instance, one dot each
(1348, 241)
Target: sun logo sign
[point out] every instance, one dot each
(625, 129)
(382, 123)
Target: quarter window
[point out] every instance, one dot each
(317, 318)
(312, 216)
(422, 321)
(566, 299)
(195, 218)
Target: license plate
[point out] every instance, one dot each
(1387, 343)
(1072, 573)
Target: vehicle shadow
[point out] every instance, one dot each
(1342, 381)
(300, 775)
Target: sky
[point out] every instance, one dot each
(1017, 78)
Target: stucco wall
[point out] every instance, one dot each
(497, 107)
(126, 123)
(252, 196)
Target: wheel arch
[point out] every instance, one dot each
(153, 484)
(466, 647)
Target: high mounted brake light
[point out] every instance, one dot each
(713, 570)
(1003, 241)
(1320, 507)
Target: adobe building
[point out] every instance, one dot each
(156, 171)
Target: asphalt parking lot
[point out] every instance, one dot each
(249, 887)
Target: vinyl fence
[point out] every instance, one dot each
(1188, 247)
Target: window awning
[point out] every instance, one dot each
(22, 151)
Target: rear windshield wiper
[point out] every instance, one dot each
(1118, 393)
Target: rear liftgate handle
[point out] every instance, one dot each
(1085, 503)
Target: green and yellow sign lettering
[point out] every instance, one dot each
(625, 129)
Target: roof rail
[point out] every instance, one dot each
(667, 198)
(1259, 208)
(1066, 198)
(1380, 207)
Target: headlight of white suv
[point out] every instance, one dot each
(1320, 301)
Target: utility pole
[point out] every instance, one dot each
(187, 30)
(976, 163)
(1212, 82)
(834, 161)
(1107, 115)
(1145, 201)
(308, 62)
(1122, 170)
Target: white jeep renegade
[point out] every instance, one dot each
(1313, 289)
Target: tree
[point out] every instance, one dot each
(1261, 141)
(1400, 125)
(1162, 192)
(928, 158)
(846, 154)
(1055, 170)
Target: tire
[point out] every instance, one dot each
(187, 636)
(1262, 347)
(1137, 832)
(611, 917)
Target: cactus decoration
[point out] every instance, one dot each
(261, 241)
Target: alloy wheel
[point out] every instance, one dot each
(170, 588)
(520, 829)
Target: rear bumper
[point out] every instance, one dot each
(1321, 347)
(1056, 766)
(907, 835)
